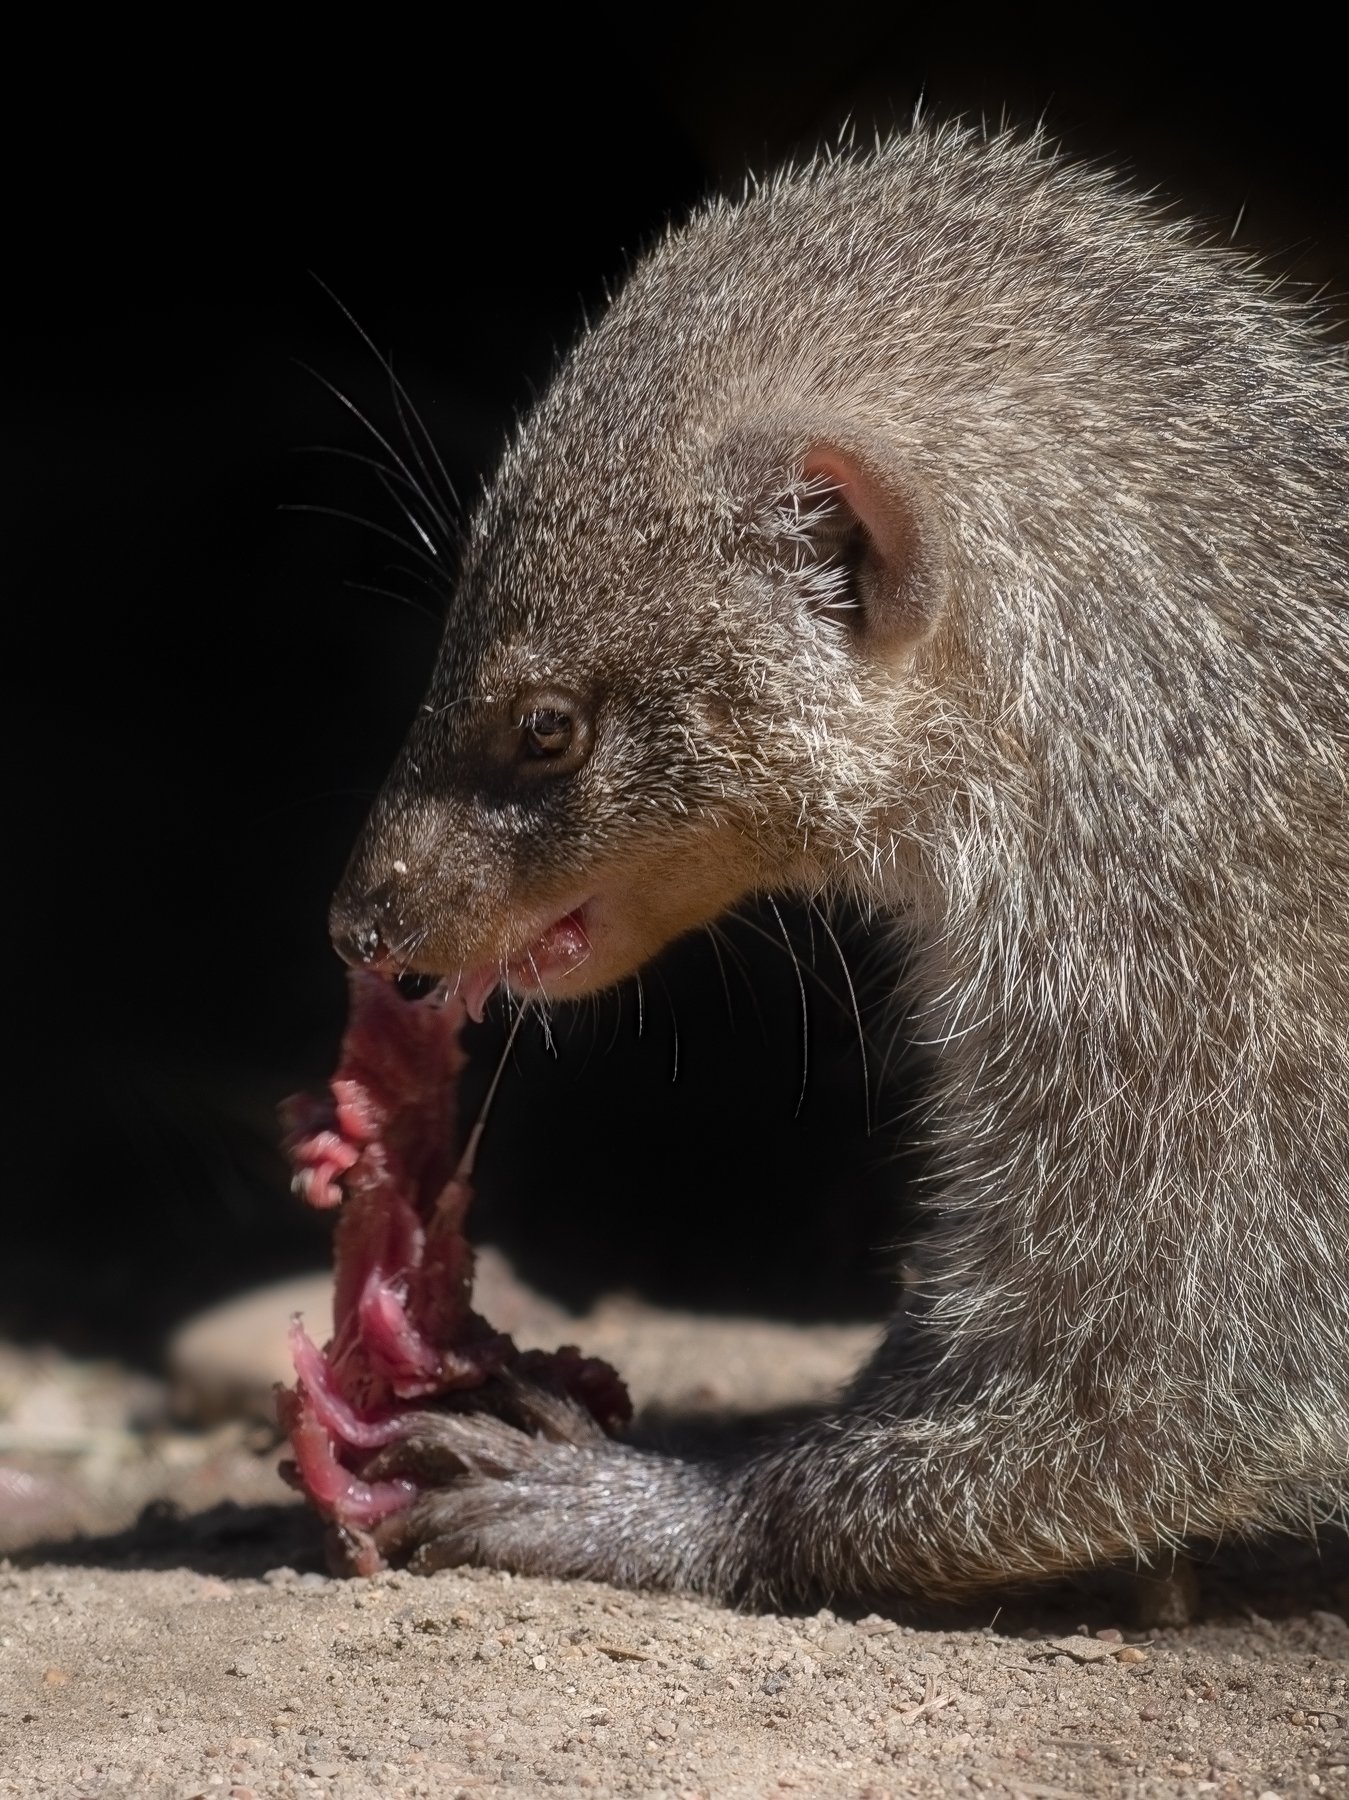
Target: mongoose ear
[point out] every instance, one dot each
(868, 520)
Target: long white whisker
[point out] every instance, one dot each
(856, 1011)
(464, 1170)
(805, 1011)
(369, 587)
(337, 512)
(711, 932)
(404, 471)
(402, 399)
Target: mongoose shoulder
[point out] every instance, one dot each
(946, 526)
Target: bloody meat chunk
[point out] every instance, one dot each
(386, 1146)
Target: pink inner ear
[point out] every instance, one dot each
(902, 579)
(827, 465)
(852, 488)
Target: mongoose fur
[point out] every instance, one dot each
(946, 526)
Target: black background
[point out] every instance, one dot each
(203, 697)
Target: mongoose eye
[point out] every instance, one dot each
(553, 733)
(547, 732)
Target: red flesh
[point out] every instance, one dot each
(405, 1335)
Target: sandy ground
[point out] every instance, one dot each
(198, 1649)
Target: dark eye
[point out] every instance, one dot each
(547, 732)
(552, 731)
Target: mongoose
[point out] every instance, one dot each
(945, 526)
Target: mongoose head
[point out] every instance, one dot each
(688, 608)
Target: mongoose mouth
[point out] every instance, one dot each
(558, 949)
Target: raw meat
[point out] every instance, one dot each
(386, 1146)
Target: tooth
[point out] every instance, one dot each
(475, 990)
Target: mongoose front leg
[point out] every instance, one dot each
(925, 1495)
(551, 1494)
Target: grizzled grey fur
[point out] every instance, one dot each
(1091, 743)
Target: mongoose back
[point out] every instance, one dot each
(944, 526)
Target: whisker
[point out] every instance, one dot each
(404, 471)
(508, 999)
(404, 409)
(618, 1023)
(417, 606)
(898, 1048)
(337, 512)
(674, 1022)
(428, 711)
(404, 951)
(805, 1012)
(744, 922)
(464, 1169)
(741, 963)
(856, 1009)
(539, 1003)
(422, 579)
(402, 399)
(711, 934)
(395, 475)
(391, 489)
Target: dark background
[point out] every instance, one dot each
(204, 696)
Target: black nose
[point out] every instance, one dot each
(363, 946)
(368, 944)
(365, 927)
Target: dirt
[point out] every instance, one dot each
(197, 1648)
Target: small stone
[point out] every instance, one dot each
(225, 1363)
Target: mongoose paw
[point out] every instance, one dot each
(505, 1492)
